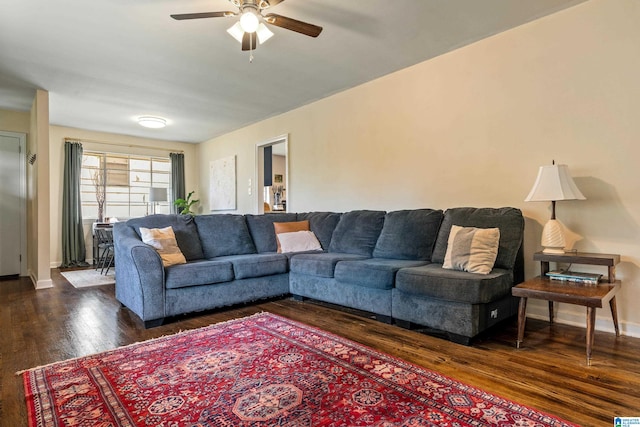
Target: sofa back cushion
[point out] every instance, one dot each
(184, 229)
(225, 234)
(509, 220)
(408, 234)
(262, 231)
(357, 232)
(322, 224)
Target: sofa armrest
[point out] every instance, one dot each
(139, 274)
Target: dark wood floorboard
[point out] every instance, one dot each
(549, 373)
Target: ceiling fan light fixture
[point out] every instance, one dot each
(250, 29)
(249, 21)
(152, 122)
(236, 32)
(263, 33)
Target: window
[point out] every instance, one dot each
(125, 182)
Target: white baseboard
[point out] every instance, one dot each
(603, 320)
(44, 284)
(39, 284)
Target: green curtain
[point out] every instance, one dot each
(177, 179)
(73, 247)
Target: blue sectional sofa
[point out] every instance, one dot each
(386, 263)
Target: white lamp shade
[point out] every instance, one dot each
(554, 183)
(157, 194)
(264, 33)
(236, 32)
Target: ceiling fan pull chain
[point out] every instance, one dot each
(251, 49)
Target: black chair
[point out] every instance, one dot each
(105, 249)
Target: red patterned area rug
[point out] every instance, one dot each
(262, 370)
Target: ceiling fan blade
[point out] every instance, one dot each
(293, 25)
(274, 2)
(182, 16)
(249, 41)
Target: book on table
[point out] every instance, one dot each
(575, 276)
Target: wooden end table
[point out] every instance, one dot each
(590, 296)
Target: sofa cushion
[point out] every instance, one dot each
(408, 234)
(225, 234)
(201, 272)
(372, 273)
(262, 232)
(433, 281)
(163, 240)
(288, 227)
(508, 220)
(357, 232)
(472, 249)
(322, 224)
(319, 264)
(183, 226)
(290, 255)
(256, 265)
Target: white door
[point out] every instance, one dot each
(11, 203)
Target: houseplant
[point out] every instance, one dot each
(184, 205)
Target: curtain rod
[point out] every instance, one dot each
(120, 144)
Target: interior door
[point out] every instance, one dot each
(279, 148)
(11, 204)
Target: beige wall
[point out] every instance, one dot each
(15, 121)
(280, 168)
(38, 208)
(99, 141)
(471, 128)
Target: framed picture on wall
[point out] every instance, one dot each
(222, 186)
(277, 178)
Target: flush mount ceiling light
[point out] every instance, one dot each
(251, 27)
(152, 122)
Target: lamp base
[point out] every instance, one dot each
(553, 237)
(554, 251)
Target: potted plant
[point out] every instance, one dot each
(184, 205)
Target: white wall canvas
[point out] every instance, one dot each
(222, 188)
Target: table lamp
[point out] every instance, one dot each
(156, 195)
(553, 183)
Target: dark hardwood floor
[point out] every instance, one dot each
(549, 373)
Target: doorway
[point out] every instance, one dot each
(272, 189)
(13, 206)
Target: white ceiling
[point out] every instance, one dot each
(106, 62)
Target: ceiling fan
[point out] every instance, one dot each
(251, 25)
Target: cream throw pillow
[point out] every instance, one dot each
(163, 240)
(299, 241)
(472, 249)
(289, 227)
